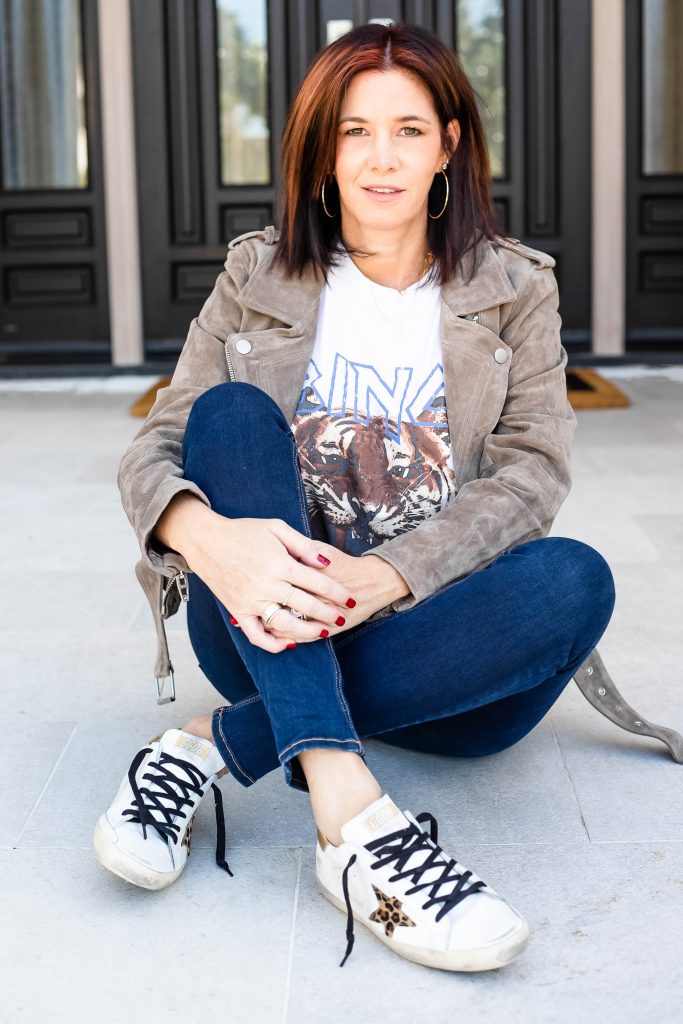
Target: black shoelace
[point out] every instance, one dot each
(399, 847)
(164, 780)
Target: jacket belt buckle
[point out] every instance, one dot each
(160, 689)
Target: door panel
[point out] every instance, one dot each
(654, 138)
(210, 107)
(53, 284)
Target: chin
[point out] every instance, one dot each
(380, 218)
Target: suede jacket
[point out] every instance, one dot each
(510, 421)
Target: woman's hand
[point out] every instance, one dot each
(249, 563)
(373, 582)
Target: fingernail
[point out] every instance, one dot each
(234, 620)
(350, 603)
(325, 561)
(289, 646)
(325, 632)
(340, 621)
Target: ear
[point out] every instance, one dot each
(453, 129)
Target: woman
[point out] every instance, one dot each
(359, 458)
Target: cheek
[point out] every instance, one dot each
(347, 182)
(347, 168)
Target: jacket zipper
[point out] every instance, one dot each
(180, 580)
(231, 369)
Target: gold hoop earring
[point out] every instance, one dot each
(331, 215)
(436, 216)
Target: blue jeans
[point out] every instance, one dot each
(466, 672)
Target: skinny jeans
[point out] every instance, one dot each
(466, 672)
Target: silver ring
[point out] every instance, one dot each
(269, 611)
(293, 611)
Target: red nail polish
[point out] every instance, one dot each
(325, 561)
(340, 621)
(325, 632)
(350, 603)
(233, 620)
(289, 646)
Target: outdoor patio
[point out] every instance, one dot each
(580, 825)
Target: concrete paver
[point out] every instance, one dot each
(580, 825)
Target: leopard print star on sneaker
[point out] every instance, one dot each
(390, 913)
(393, 877)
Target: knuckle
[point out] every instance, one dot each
(326, 613)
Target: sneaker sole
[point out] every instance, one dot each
(116, 860)
(483, 958)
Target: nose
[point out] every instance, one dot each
(383, 153)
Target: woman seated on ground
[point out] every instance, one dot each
(360, 456)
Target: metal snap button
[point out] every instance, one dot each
(500, 355)
(243, 346)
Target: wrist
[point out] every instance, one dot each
(183, 522)
(387, 579)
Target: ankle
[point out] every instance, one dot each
(340, 786)
(331, 813)
(200, 726)
(331, 818)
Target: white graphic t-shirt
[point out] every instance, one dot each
(371, 423)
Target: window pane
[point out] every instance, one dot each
(336, 28)
(42, 95)
(481, 48)
(662, 86)
(243, 92)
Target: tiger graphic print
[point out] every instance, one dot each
(372, 475)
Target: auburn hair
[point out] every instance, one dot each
(309, 141)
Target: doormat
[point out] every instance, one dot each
(586, 390)
(144, 404)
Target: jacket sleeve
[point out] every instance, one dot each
(150, 472)
(525, 468)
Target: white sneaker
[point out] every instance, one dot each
(144, 835)
(394, 878)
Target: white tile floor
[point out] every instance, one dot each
(580, 825)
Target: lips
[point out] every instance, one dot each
(373, 188)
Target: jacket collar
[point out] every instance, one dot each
(292, 300)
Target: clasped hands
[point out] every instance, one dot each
(249, 563)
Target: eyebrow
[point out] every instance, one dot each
(408, 117)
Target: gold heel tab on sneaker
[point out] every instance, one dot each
(323, 840)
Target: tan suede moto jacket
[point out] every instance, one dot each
(510, 421)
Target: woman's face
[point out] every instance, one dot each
(388, 136)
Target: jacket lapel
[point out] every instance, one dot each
(279, 356)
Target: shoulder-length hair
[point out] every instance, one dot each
(309, 141)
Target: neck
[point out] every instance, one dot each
(399, 255)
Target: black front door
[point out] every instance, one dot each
(654, 176)
(53, 274)
(211, 88)
(214, 78)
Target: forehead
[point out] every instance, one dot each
(386, 86)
